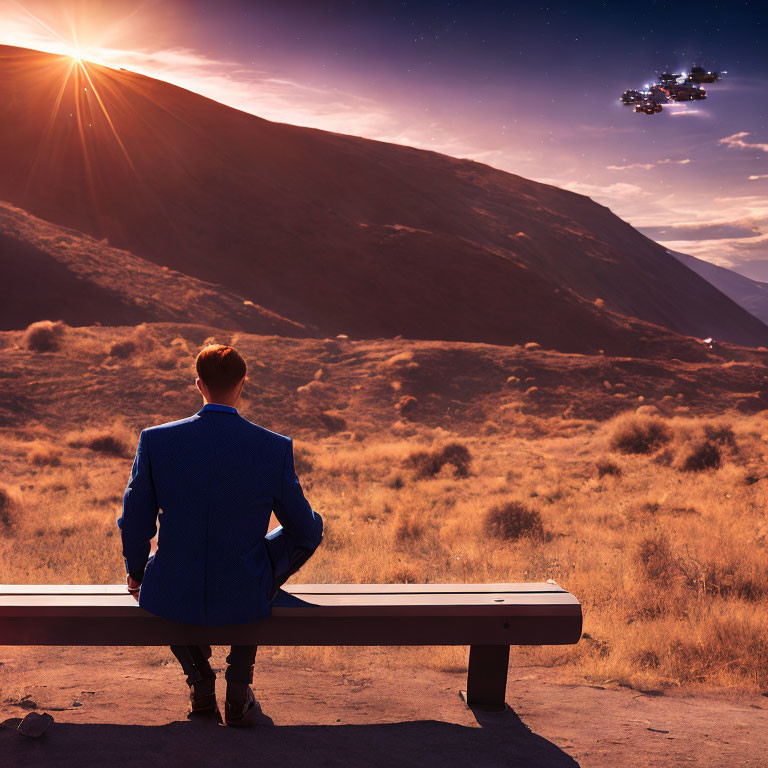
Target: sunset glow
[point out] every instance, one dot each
(507, 105)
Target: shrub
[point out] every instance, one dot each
(43, 336)
(702, 455)
(122, 349)
(408, 526)
(401, 574)
(664, 458)
(332, 537)
(429, 463)
(140, 340)
(302, 461)
(655, 558)
(458, 455)
(112, 442)
(607, 467)
(163, 359)
(44, 454)
(722, 434)
(8, 509)
(597, 646)
(647, 659)
(640, 434)
(513, 520)
(426, 463)
(332, 422)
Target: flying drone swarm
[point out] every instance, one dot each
(670, 87)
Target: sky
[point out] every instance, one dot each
(530, 88)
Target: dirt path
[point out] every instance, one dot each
(129, 711)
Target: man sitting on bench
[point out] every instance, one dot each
(215, 478)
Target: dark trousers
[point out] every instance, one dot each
(285, 558)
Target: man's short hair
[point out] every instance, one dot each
(220, 367)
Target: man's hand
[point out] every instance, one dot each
(133, 587)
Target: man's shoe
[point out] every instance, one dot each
(239, 712)
(202, 698)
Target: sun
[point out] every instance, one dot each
(76, 54)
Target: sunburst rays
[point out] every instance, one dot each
(79, 96)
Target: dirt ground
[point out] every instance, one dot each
(112, 708)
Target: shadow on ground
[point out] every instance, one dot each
(502, 740)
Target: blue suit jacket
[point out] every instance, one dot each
(214, 478)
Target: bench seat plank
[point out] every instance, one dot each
(388, 615)
(124, 605)
(304, 589)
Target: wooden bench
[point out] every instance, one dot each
(489, 618)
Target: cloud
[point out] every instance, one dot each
(755, 177)
(725, 253)
(619, 190)
(644, 166)
(737, 140)
(727, 230)
(648, 166)
(728, 242)
(259, 92)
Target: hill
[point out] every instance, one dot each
(326, 386)
(348, 234)
(54, 272)
(750, 294)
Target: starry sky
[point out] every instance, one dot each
(531, 88)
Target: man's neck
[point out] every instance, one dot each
(214, 402)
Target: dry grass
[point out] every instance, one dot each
(143, 349)
(41, 454)
(670, 565)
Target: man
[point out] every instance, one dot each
(215, 478)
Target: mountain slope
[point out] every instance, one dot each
(352, 235)
(750, 294)
(52, 272)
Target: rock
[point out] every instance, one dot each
(407, 405)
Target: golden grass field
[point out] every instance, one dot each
(656, 522)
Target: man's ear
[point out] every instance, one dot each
(201, 387)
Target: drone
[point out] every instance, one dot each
(671, 87)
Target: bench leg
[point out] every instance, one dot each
(487, 677)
